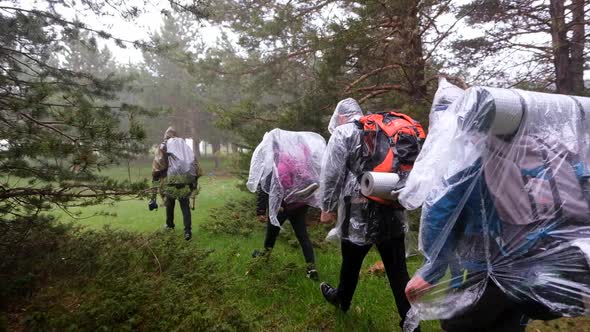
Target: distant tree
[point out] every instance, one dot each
(56, 128)
(82, 54)
(296, 59)
(177, 81)
(546, 43)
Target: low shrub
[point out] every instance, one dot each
(237, 217)
(61, 277)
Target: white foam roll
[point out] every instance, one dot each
(379, 184)
(509, 111)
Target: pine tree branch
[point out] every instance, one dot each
(372, 95)
(40, 123)
(369, 74)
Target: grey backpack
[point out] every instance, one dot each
(535, 180)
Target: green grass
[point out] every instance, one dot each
(275, 293)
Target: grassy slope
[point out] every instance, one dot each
(276, 293)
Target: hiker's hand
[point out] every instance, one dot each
(416, 288)
(263, 218)
(327, 217)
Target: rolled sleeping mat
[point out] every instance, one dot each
(378, 184)
(507, 110)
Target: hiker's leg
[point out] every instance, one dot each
(272, 231)
(509, 321)
(169, 211)
(297, 219)
(352, 261)
(485, 314)
(186, 213)
(393, 254)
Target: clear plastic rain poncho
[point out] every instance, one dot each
(340, 187)
(282, 165)
(181, 158)
(433, 158)
(509, 205)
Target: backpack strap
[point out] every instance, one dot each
(554, 191)
(580, 106)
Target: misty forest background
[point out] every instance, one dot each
(78, 126)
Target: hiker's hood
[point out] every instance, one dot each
(346, 111)
(430, 166)
(170, 132)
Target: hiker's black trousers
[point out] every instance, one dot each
(297, 219)
(493, 312)
(393, 254)
(186, 212)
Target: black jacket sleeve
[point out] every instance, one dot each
(261, 202)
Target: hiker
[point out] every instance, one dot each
(511, 215)
(284, 173)
(362, 222)
(176, 169)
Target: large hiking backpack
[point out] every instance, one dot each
(391, 142)
(293, 169)
(540, 192)
(181, 161)
(535, 180)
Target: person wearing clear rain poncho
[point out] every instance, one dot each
(177, 170)
(284, 172)
(361, 223)
(511, 213)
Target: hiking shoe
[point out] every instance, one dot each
(331, 295)
(260, 253)
(188, 236)
(305, 192)
(166, 227)
(312, 273)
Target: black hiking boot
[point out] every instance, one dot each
(168, 228)
(188, 236)
(261, 253)
(331, 295)
(312, 273)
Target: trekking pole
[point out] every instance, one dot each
(194, 197)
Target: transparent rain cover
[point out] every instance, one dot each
(283, 165)
(508, 203)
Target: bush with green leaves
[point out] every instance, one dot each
(67, 278)
(237, 217)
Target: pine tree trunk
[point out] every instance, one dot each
(216, 149)
(196, 140)
(576, 69)
(415, 66)
(561, 47)
(196, 147)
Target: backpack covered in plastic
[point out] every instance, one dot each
(181, 161)
(285, 165)
(550, 178)
(508, 206)
(391, 141)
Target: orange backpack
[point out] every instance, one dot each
(391, 142)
